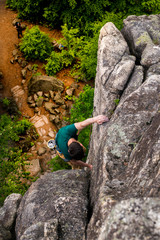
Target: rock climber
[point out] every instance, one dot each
(19, 29)
(70, 150)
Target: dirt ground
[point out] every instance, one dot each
(12, 72)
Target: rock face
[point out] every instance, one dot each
(127, 154)
(133, 213)
(8, 215)
(55, 207)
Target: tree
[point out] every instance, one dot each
(36, 44)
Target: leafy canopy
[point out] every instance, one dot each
(36, 44)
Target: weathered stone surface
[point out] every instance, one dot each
(41, 151)
(114, 67)
(135, 81)
(58, 99)
(5, 234)
(24, 73)
(24, 64)
(50, 107)
(8, 215)
(33, 167)
(150, 55)
(55, 205)
(70, 91)
(39, 101)
(15, 52)
(133, 219)
(142, 174)
(125, 157)
(140, 31)
(45, 84)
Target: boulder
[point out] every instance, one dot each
(58, 99)
(54, 206)
(140, 31)
(24, 73)
(8, 215)
(115, 65)
(33, 167)
(50, 107)
(150, 55)
(39, 101)
(41, 151)
(70, 91)
(45, 84)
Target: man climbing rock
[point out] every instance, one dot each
(70, 150)
(19, 29)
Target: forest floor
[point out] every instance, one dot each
(12, 72)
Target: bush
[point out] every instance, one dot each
(36, 44)
(58, 164)
(54, 64)
(81, 110)
(12, 4)
(12, 159)
(71, 44)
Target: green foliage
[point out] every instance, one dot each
(71, 44)
(6, 102)
(12, 4)
(32, 10)
(58, 164)
(151, 6)
(36, 44)
(82, 109)
(35, 67)
(116, 101)
(11, 157)
(22, 126)
(78, 13)
(53, 64)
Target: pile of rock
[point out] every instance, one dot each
(48, 92)
(53, 102)
(18, 58)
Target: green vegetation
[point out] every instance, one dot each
(58, 164)
(71, 45)
(116, 101)
(80, 21)
(82, 109)
(36, 44)
(12, 157)
(79, 13)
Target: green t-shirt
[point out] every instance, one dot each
(62, 138)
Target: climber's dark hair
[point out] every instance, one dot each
(76, 151)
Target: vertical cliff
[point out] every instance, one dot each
(125, 152)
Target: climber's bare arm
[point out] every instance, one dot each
(98, 119)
